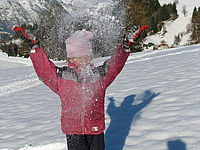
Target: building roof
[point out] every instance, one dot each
(163, 45)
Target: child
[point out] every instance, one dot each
(81, 87)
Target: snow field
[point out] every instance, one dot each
(155, 101)
(173, 114)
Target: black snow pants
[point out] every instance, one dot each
(85, 142)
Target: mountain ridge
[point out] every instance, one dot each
(14, 12)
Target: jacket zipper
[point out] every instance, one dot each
(83, 113)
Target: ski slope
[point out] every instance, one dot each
(153, 104)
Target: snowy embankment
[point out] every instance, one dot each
(154, 103)
(178, 26)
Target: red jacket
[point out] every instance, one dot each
(82, 95)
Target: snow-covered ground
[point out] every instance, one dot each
(178, 26)
(153, 104)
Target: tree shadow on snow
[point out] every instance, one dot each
(176, 145)
(122, 118)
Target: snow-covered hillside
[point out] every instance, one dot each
(178, 26)
(153, 103)
(17, 12)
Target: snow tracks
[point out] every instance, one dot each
(18, 86)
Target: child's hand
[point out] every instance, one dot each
(25, 36)
(134, 35)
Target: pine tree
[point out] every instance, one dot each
(194, 14)
(196, 25)
(151, 6)
(154, 24)
(164, 13)
(174, 11)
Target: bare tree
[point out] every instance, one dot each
(177, 39)
(176, 2)
(184, 10)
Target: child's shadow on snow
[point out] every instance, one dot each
(122, 117)
(176, 145)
